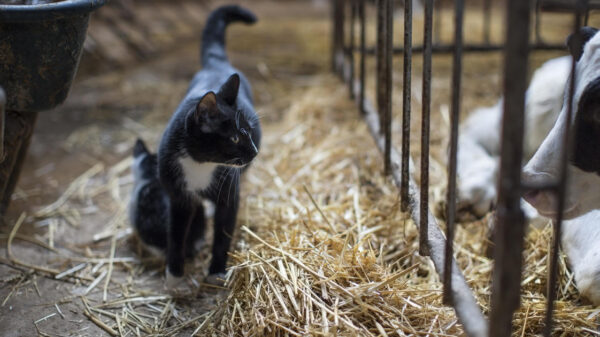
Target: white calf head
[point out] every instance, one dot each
(584, 159)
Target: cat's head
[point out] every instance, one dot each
(220, 131)
(144, 163)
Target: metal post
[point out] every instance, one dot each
(406, 108)
(425, 129)
(510, 227)
(337, 36)
(351, 48)
(2, 123)
(454, 120)
(437, 27)
(387, 113)
(562, 184)
(380, 60)
(362, 18)
(487, 18)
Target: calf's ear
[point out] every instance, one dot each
(576, 41)
(586, 145)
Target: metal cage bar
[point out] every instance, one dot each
(362, 61)
(406, 100)
(425, 128)
(487, 19)
(387, 112)
(2, 123)
(350, 50)
(452, 162)
(510, 226)
(561, 190)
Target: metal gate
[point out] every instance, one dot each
(510, 224)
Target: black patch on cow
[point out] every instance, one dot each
(576, 42)
(586, 147)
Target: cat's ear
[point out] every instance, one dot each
(207, 106)
(229, 90)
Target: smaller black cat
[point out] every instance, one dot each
(149, 204)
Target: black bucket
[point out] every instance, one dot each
(40, 48)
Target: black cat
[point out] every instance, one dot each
(148, 207)
(209, 141)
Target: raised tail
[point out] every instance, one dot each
(213, 37)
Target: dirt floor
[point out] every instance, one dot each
(70, 208)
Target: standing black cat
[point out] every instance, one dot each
(209, 141)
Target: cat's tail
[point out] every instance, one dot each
(139, 148)
(213, 37)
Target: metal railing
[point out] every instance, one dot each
(510, 225)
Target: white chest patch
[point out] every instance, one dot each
(197, 175)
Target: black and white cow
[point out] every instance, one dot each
(545, 120)
(584, 164)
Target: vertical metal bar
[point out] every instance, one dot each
(406, 108)
(510, 227)
(380, 60)
(437, 26)
(454, 119)
(538, 21)
(562, 184)
(351, 48)
(362, 18)
(487, 18)
(2, 123)
(389, 50)
(337, 36)
(425, 129)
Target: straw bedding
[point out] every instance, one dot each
(322, 248)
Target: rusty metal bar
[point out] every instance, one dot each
(562, 185)
(351, 46)
(510, 226)
(454, 120)
(406, 98)
(437, 26)
(425, 129)
(362, 18)
(337, 56)
(387, 112)
(487, 19)
(380, 59)
(2, 123)
(538, 21)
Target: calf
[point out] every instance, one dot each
(479, 150)
(479, 140)
(583, 192)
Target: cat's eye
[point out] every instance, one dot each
(235, 139)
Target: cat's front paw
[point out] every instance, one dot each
(173, 282)
(217, 279)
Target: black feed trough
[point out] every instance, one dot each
(40, 48)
